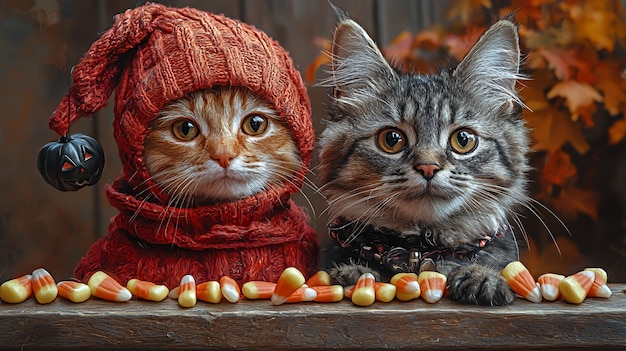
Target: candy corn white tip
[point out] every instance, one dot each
(432, 296)
(412, 287)
(603, 291)
(309, 294)
(278, 300)
(550, 292)
(124, 295)
(534, 295)
(230, 293)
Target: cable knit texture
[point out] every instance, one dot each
(151, 56)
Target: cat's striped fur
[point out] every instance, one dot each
(442, 156)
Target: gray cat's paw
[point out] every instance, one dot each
(479, 285)
(346, 275)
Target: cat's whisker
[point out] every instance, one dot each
(359, 191)
(288, 179)
(287, 176)
(364, 220)
(141, 204)
(337, 205)
(536, 214)
(487, 194)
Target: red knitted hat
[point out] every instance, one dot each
(154, 54)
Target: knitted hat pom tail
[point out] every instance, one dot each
(95, 76)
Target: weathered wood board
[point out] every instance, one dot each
(598, 324)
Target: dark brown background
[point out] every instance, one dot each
(41, 40)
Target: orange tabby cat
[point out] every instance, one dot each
(219, 145)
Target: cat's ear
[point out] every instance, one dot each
(491, 68)
(357, 65)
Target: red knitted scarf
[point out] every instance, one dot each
(252, 239)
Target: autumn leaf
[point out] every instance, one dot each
(558, 168)
(525, 11)
(553, 128)
(576, 95)
(322, 59)
(400, 48)
(573, 201)
(459, 46)
(566, 63)
(611, 85)
(465, 9)
(595, 21)
(617, 131)
(550, 37)
(585, 114)
(428, 40)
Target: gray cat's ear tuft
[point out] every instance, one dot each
(492, 67)
(357, 65)
(341, 14)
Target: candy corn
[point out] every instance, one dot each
(44, 286)
(348, 290)
(385, 292)
(173, 294)
(364, 293)
(230, 289)
(106, 288)
(74, 291)
(432, 284)
(574, 288)
(405, 282)
(599, 272)
(302, 294)
(549, 285)
(407, 287)
(187, 291)
(288, 282)
(147, 290)
(319, 278)
(328, 293)
(520, 280)
(258, 290)
(16, 290)
(210, 291)
(599, 287)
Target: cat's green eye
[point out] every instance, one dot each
(391, 140)
(254, 124)
(185, 130)
(463, 141)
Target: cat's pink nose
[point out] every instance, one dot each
(428, 170)
(223, 159)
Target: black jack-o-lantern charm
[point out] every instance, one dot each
(72, 162)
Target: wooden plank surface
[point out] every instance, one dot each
(96, 324)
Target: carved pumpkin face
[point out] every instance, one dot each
(71, 162)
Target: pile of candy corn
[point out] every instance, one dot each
(591, 282)
(292, 287)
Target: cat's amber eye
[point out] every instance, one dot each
(463, 141)
(391, 140)
(254, 124)
(185, 130)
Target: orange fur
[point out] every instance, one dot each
(221, 163)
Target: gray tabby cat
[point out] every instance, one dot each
(425, 172)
